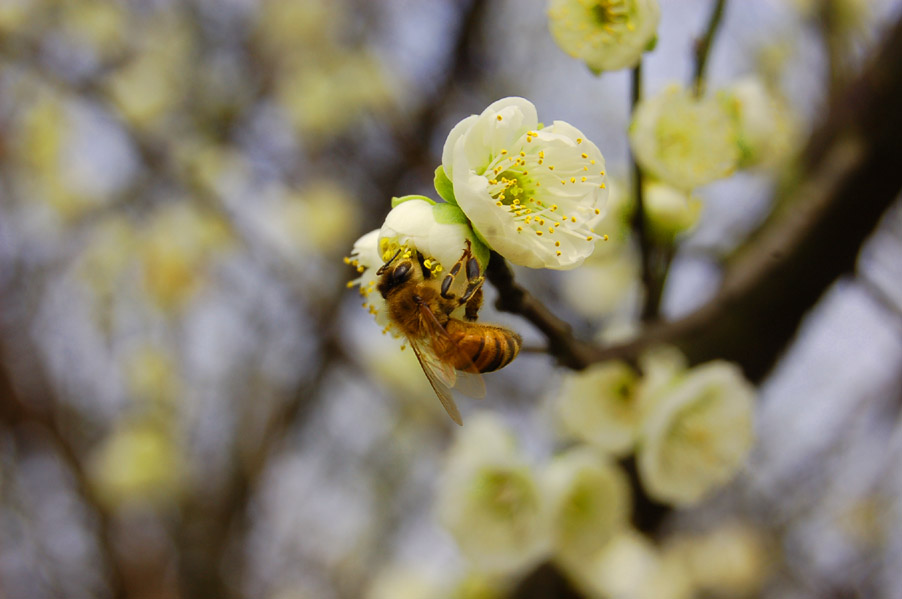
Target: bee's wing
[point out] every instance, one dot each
(441, 376)
(467, 379)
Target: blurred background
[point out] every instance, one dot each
(193, 404)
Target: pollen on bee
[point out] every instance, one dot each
(427, 263)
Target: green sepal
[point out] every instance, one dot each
(443, 186)
(652, 44)
(481, 250)
(595, 71)
(449, 214)
(396, 201)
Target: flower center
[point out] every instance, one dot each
(525, 184)
(613, 16)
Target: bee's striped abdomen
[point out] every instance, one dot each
(486, 347)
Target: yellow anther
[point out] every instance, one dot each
(597, 211)
(579, 140)
(573, 179)
(498, 117)
(551, 167)
(350, 284)
(557, 244)
(539, 233)
(588, 238)
(347, 260)
(584, 155)
(360, 269)
(503, 152)
(605, 237)
(558, 252)
(583, 179)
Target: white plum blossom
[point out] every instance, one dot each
(599, 406)
(489, 500)
(438, 231)
(684, 140)
(764, 129)
(696, 432)
(607, 34)
(533, 194)
(365, 257)
(589, 501)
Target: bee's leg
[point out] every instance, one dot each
(473, 304)
(452, 274)
(472, 297)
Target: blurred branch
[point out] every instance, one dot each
(849, 176)
(703, 46)
(18, 416)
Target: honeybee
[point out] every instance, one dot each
(451, 351)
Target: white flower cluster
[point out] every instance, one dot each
(506, 516)
(691, 429)
(687, 141)
(531, 193)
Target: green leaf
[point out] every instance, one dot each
(443, 186)
(396, 201)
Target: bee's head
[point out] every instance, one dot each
(394, 276)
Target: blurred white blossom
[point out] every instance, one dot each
(490, 501)
(533, 194)
(763, 124)
(683, 140)
(366, 258)
(696, 432)
(604, 285)
(607, 34)
(730, 561)
(137, 465)
(669, 211)
(589, 501)
(599, 406)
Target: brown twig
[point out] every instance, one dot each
(703, 47)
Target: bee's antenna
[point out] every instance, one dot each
(390, 260)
